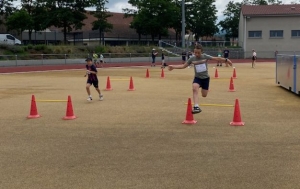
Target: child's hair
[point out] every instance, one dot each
(199, 46)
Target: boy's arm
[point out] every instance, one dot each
(181, 66)
(222, 60)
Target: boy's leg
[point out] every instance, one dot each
(204, 83)
(204, 86)
(196, 87)
(196, 109)
(87, 87)
(98, 90)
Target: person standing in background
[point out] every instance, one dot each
(225, 55)
(153, 55)
(219, 54)
(253, 58)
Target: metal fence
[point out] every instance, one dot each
(56, 59)
(59, 59)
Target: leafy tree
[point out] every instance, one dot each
(67, 14)
(203, 21)
(295, 2)
(158, 14)
(262, 2)
(230, 24)
(101, 14)
(19, 20)
(6, 9)
(259, 2)
(38, 14)
(274, 2)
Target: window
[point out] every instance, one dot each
(254, 34)
(295, 33)
(276, 33)
(10, 37)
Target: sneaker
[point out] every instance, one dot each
(196, 110)
(89, 99)
(100, 97)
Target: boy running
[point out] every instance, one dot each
(91, 72)
(201, 78)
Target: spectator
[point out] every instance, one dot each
(154, 53)
(219, 54)
(253, 58)
(225, 55)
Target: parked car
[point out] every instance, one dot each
(9, 40)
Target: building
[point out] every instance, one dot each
(121, 34)
(269, 29)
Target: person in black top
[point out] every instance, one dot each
(153, 55)
(91, 73)
(225, 55)
(163, 64)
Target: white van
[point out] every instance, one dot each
(9, 40)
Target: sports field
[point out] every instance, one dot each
(136, 139)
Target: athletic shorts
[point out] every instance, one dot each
(94, 83)
(204, 83)
(253, 58)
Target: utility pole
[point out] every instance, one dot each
(183, 23)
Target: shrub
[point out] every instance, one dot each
(40, 47)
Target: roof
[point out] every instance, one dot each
(270, 10)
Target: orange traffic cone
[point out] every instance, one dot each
(33, 109)
(69, 113)
(189, 118)
(147, 73)
(108, 87)
(131, 87)
(234, 74)
(231, 85)
(162, 75)
(216, 73)
(237, 120)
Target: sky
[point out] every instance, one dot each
(118, 5)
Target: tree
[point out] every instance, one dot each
(274, 2)
(158, 14)
(295, 2)
(6, 9)
(38, 14)
(67, 14)
(19, 20)
(262, 2)
(101, 14)
(259, 2)
(203, 21)
(230, 24)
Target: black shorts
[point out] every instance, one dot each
(253, 58)
(94, 83)
(203, 83)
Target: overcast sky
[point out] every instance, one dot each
(118, 5)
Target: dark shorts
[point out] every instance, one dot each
(94, 83)
(253, 58)
(183, 58)
(204, 83)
